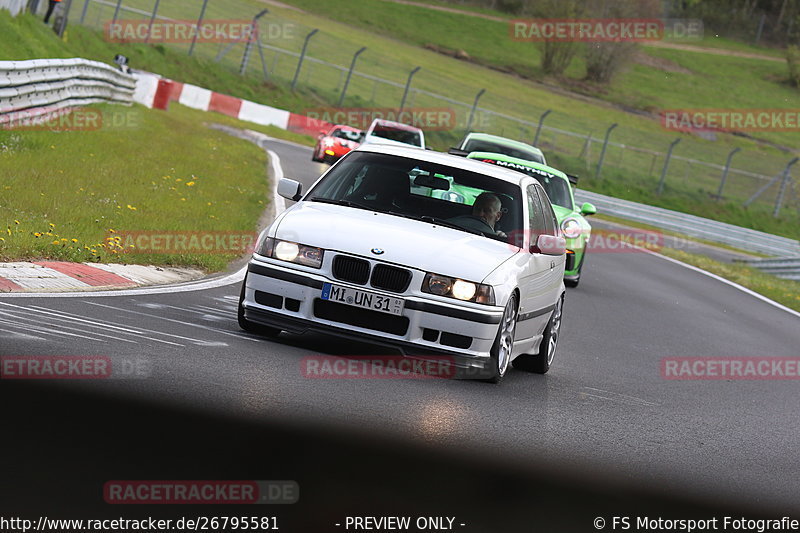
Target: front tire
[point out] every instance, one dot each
(540, 363)
(252, 327)
(500, 354)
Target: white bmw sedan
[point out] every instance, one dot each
(430, 253)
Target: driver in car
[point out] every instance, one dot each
(486, 211)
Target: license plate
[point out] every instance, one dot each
(362, 299)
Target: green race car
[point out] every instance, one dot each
(573, 223)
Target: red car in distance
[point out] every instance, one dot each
(335, 143)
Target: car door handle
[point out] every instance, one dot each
(552, 265)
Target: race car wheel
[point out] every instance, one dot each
(500, 354)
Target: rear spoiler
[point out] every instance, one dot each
(458, 152)
(573, 179)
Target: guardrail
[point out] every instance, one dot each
(693, 226)
(785, 267)
(40, 88)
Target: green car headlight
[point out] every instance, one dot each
(571, 228)
(459, 289)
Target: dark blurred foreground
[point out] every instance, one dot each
(59, 446)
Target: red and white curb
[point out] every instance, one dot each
(156, 92)
(57, 276)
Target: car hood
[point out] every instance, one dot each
(563, 212)
(404, 241)
(374, 139)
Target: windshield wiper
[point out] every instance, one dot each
(346, 203)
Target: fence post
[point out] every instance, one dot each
(539, 128)
(408, 85)
(760, 27)
(197, 30)
(603, 151)
(62, 24)
(349, 74)
(782, 191)
(725, 172)
(116, 12)
(253, 36)
(302, 57)
(666, 165)
(474, 107)
(152, 19)
(83, 13)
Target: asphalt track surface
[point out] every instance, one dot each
(602, 433)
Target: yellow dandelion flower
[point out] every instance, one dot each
(183, 199)
(74, 240)
(9, 230)
(52, 225)
(209, 203)
(56, 242)
(178, 179)
(64, 240)
(37, 235)
(2, 239)
(190, 184)
(131, 207)
(16, 222)
(111, 230)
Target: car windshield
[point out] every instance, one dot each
(557, 188)
(421, 190)
(399, 135)
(477, 145)
(347, 134)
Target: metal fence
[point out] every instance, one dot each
(291, 53)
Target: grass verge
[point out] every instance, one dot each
(67, 195)
(783, 291)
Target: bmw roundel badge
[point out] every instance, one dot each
(377, 251)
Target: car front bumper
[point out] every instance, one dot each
(290, 299)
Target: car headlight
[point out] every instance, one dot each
(458, 289)
(571, 228)
(328, 143)
(291, 252)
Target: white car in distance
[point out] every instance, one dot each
(370, 253)
(395, 133)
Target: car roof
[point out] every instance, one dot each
(503, 140)
(393, 124)
(518, 161)
(441, 158)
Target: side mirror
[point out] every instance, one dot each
(550, 245)
(588, 209)
(290, 189)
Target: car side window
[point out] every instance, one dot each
(536, 215)
(550, 221)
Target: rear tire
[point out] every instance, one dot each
(500, 354)
(252, 327)
(540, 363)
